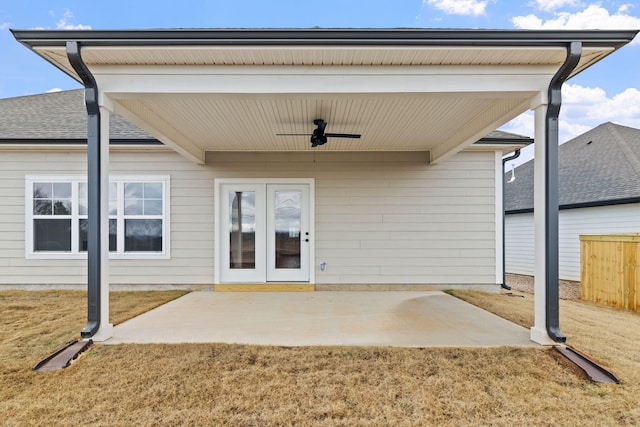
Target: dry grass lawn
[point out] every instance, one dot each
(214, 384)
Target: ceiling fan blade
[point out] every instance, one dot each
(342, 135)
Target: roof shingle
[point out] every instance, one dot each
(601, 165)
(56, 116)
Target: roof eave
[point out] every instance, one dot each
(332, 36)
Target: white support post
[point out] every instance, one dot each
(106, 329)
(539, 332)
(499, 214)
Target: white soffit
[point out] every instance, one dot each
(333, 56)
(389, 120)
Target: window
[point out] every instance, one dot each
(57, 217)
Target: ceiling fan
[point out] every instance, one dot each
(318, 137)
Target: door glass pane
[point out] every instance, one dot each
(288, 215)
(242, 229)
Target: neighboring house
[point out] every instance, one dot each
(599, 175)
(241, 191)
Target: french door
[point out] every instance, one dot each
(264, 233)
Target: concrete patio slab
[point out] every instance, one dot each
(406, 319)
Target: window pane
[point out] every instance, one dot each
(153, 207)
(42, 207)
(153, 190)
(62, 207)
(143, 235)
(62, 190)
(82, 190)
(82, 234)
(52, 235)
(242, 229)
(83, 203)
(83, 208)
(42, 190)
(82, 227)
(133, 207)
(113, 198)
(133, 190)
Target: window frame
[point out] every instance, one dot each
(75, 216)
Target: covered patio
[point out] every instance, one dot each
(388, 318)
(427, 94)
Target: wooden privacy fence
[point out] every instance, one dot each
(609, 265)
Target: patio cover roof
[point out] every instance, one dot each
(437, 91)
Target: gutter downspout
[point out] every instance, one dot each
(94, 244)
(504, 285)
(552, 309)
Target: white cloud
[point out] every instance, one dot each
(549, 5)
(460, 7)
(531, 22)
(592, 106)
(593, 17)
(624, 8)
(65, 23)
(584, 108)
(4, 25)
(521, 125)
(55, 89)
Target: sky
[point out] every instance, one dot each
(606, 92)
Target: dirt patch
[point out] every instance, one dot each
(566, 289)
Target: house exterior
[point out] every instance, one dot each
(245, 180)
(599, 194)
(379, 220)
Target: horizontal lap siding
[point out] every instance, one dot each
(14, 268)
(407, 222)
(192, 216)
(519, 240)
(572, 223)
(378, 219)
(598, 220)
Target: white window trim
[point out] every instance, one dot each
(74, 254)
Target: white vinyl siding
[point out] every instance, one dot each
(380, 218)
(414, 225)
(572, 223)
(519, 244)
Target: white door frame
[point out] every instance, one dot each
(219, 232)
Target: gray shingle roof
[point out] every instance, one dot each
(598, 167)
(56, 116)
(502, 135)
